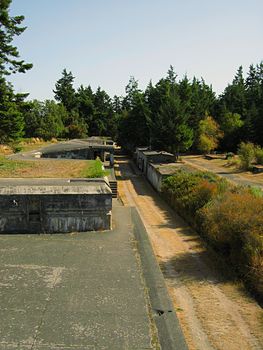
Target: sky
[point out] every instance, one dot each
(104, 42)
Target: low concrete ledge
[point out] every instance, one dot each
(257, 169)
(169, 330)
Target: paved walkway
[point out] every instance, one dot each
(73, 291)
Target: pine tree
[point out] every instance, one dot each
(9, 28)
(65, 92)
(11, 118)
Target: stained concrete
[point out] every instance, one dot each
(54, 205)
(80, 291)
(89, 148)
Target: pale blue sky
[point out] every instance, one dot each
(104, 42)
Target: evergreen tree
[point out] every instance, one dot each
(134, 124)
(169, 104)
(254, 103)
(132, 89)
(65, 92)
(11, 118)
(202, 102)
(170, 130)
(75, 125)
(86, 108)
(11, 105)
(9, 28)
(45, 119)
(102, 115)
(134, 119)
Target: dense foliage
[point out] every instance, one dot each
(172, 115)
(249, 154)
(11, 109)
(230, 218)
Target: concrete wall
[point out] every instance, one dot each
(85, 153)
(139, 157)
(154, 177)
(23, 213)
(144, 157)
(79, 149)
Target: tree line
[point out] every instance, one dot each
(174, 114)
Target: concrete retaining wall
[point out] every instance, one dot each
(154, 177)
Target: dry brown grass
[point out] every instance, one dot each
(34, 144)
(44, 169)
(225, 166)
(5, 150)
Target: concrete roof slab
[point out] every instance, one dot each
(81, 291)
(53, 186)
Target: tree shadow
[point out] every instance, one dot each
(229, 172)
(196, 266)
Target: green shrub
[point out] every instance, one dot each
(16, 147)
(235, 161)
(246, 152)
(256, 191)
(229, 155)
(259, 155)
(94, 169)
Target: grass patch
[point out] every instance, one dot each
(94, 169)
(26, 145)
(10, 167)
(51, 168)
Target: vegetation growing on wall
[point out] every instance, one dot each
(94, 169)
(230, 218)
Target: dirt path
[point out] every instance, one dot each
(214, 313)
(218, 166)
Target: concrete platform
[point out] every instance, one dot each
(73, 291)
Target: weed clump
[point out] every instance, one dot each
(94, 169)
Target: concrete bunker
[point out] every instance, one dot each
(54, 205)
(89, 148)
(144, 156)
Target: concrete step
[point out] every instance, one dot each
(114, 188)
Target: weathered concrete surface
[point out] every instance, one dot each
(54, 205)
(81, 291)
(169, 330)
(53, 186)
(79, 149)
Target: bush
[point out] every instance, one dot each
(235, 162)
(229, 155)
(234, 226)
(16, 147)
(256, 191)
(246, 152)
(94, 169)
(229, 217)
(189, 191)
(259, 155)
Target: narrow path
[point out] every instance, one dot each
(247, 179)
(214, 313)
